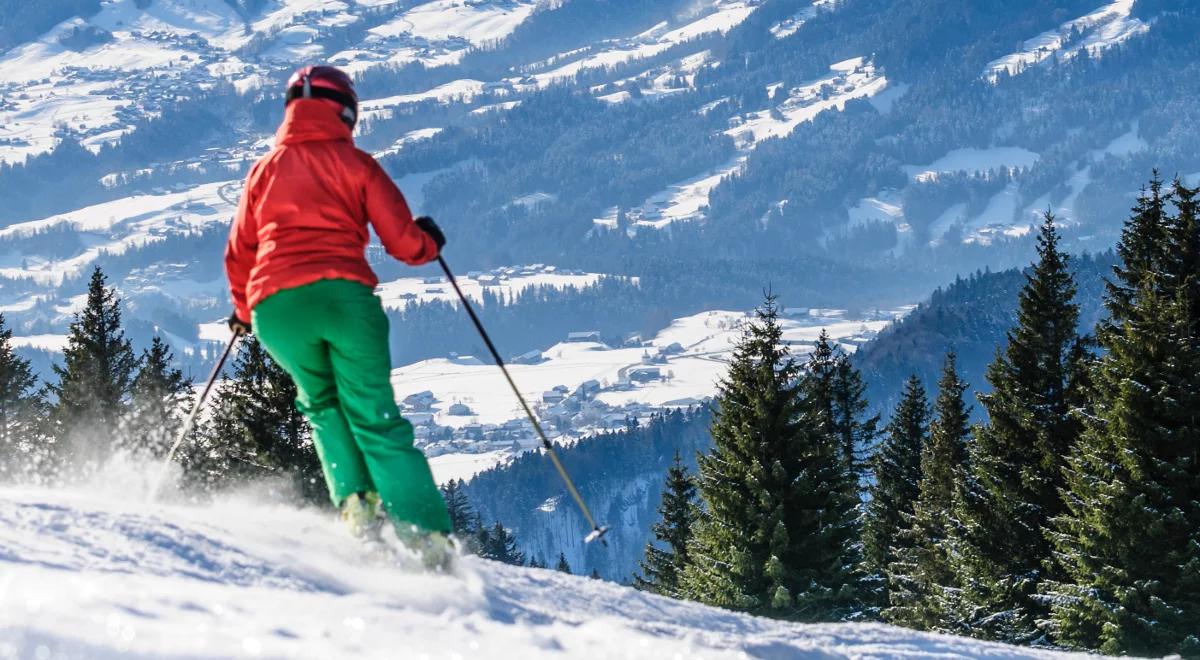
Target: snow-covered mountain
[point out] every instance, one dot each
(110, 575)
(579, 132)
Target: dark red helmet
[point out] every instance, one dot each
(325, 82)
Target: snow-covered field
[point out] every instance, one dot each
(972, 160)
(505, 282)
(694, 351)
(688, 200)
(1094, 33)
(112, 228)
(103, 574)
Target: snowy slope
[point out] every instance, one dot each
(1094, 33)
(91, 575)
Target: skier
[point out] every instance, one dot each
(299, 278)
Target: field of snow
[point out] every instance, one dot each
(688, 200)
(115, 227)
(705, 341)
(723, 17)
(507, 282)
(973, 160)
(100, 573)
(850, 79)
(1102, 29)
(128, 62)
(790, 25)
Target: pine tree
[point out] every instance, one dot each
(923, 584)
(498, 544)
(835, 388)
(22, 445)
(94, 380)
(778, 530)
(158, 397)
(1128, 544)
(563, 566)
(595, 575)
(856, 432)
(662, 566)
(897, 468)
(257, 431)
(1018, 457)
(462, 514)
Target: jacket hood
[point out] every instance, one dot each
(309, 120)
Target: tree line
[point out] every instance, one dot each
(1070, 517)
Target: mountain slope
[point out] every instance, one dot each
(87, 576)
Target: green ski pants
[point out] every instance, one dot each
(331, 336)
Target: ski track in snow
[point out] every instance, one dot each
(103, 575)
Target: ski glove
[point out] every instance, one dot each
(430, 227)
(238, 326)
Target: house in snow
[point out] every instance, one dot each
(645, 374)
(458, 410)
(421, 401)
(585, 336)
(419, 418)
(532, 357)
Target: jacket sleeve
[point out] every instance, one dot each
(393, 221)
(242, 249)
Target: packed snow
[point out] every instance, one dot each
(1094, 33)
(102, 573)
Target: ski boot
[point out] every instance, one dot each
(362, 515)
(435, 551)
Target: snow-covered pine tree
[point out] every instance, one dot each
(662, 567)
(1018, 456)
(897, 470)
(923, 584)
(778, 530)
(22, 407)
(92, 392)
(159, 395)
(1129, 542)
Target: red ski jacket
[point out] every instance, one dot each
(305, 208)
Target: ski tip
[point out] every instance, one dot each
(597, 534)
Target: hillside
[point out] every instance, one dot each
(972, 317)
(812, 145)
(103, 576)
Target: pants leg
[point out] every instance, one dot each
(358, 349)
(284, 323)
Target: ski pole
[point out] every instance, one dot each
(597, 532)
(191, 418)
